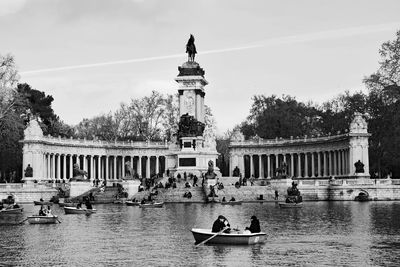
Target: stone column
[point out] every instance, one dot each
(58, 167)
(85, 168)
(53, 167)
(71, 163)
(132, 159)
(276, 161)
(299, 165)
(325, 164)
(99, 167)
(268, 166)
(107, 176)
(334, 162)
(48, 175)
(319, 164)
(157, 165)
(64, 166)
(259, 167)
(115, 168)
(251, 165)
(148, 167)
(330, 163)
(123, 167)
(140, 166)
(339, 162)
(292, 164)
(312, 165)
(306, 165)
(91, 168)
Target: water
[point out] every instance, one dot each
(321, 233)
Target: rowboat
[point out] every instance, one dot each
(285, 205)
(42, 219)
(66, 204)
(72, 210)
(235, 238)
(132, 203)
(232, 203)
(11, 211)
(47, 203)
(152, 205)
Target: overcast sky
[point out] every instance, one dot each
(91, 55)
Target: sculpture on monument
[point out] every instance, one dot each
(189, 126)
(210, 174)
(191, 49)
(77, 173)
(359, 167)
(29, 171)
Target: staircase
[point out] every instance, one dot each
(108, 196)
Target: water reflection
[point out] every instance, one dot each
(321, 233)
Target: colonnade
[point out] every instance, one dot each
(60, 166)
(298, 165)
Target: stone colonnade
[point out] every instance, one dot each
(297, 165)
(60, 166)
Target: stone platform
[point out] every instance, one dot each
(27, 193)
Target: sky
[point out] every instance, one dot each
(92, 55)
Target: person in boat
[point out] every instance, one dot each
(88, 204)
(48, 211)
(254, 225)
(223, 199)
(41, 200)
(220, 224)
(79, 206)
(276, 194)
(143, 201)
(232, 199)
(42, 211)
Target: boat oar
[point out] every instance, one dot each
(21, 222)
(208, 239)
(58, 220)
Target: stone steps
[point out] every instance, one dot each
(176, 195)
(245, 193)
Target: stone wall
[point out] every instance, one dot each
(27, 193)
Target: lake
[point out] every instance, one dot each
(321, 233)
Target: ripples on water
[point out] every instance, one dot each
(321, 233)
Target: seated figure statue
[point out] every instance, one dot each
(29, 171)
(236, 172)
(210, 174)
(359, 167)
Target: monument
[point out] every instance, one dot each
(193, 148)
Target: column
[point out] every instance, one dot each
(299, 165)
(325, 164)
(64, 167)
(99, 167)
(132, 159)
(268, 166)
(58, 167)
(123, 167)
(339, 162)
(276, 161)
(115, 168)
(334, 162)
(306, 165)
(140, 167)
(85, 163)
(48, 166)
(319, 164)
(107, 176)
(292, 164)
(92, 168)
(312, 165)
(330, 163)
(71, 163)
(53, 167)
(230, 165)
(157, 165)
(251, 165)
(148, 167)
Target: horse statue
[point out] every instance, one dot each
(191, 49)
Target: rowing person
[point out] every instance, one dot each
(254, 225)
(220, 224)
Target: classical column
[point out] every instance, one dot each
(330, 163)
(157, 165)
(312, 165)
(334, 162)
(58, 167)
(148, 167)
(299, 165)
(319, 164)
(251, 166)
(64, 166)
(123, 167)
(91, 168)
(306, 165)
(84, 163)
(339, 162)
(292, 164)
(99, 167)
(115, 168)
(107, 176)
(276, 161)
(268, 166)
(132, 159)
(71, 163)
(48, 166)
(139, 166)
(53, 167)
(230, 165)
(325, 164)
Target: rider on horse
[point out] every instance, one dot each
(191, 48)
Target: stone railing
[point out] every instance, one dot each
(84, 142)
(350, 182)
(279, 141)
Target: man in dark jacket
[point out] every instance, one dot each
(254, 225)
(220, 224)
